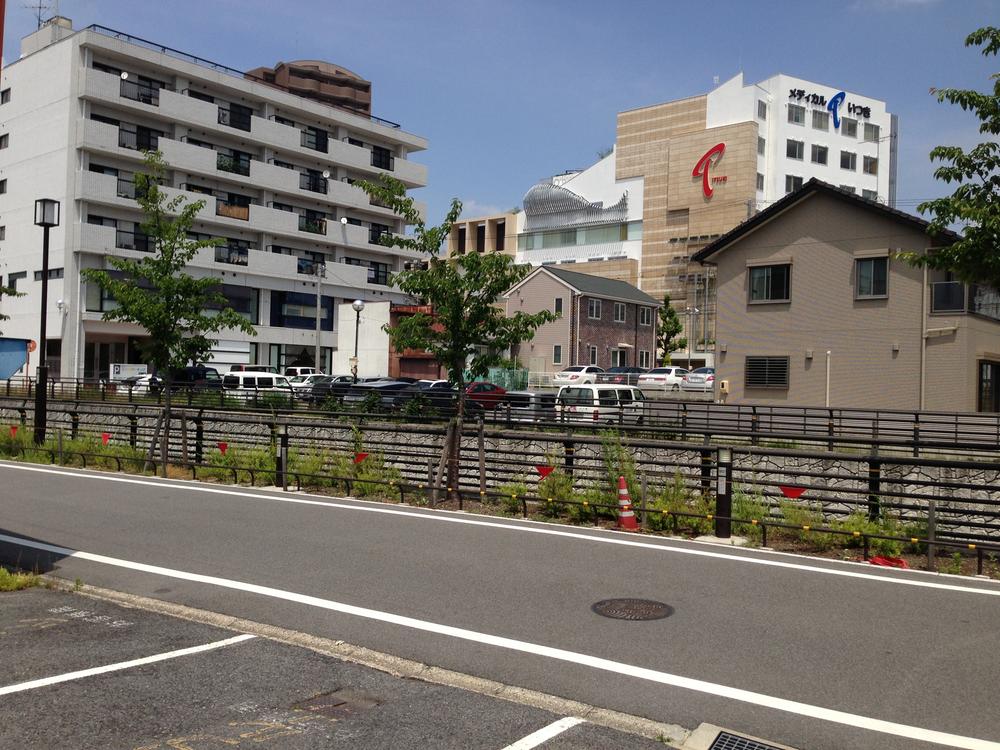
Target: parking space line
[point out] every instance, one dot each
(545, 734)
(45, 681)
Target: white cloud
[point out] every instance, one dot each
(473, 209)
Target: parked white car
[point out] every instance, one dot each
(294, 372)
(577, 375)
(601, 404)
(663, 378)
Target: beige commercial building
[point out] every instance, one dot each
(815, 309)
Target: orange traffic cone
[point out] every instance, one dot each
(626, 518)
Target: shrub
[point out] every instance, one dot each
(858, 522)
(557, 487)
(319, 469)
(618, 462)
(750, 506)
(802, 516)
(510, 495)
(260, 460)
(677, 498)
(376, 479)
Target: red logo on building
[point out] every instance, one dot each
(701, 169)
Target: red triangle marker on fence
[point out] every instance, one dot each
(544, 471)
(359, 457)
(791, 492)
(223, 447)
(13, 430)
(105, 437)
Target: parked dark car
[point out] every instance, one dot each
(330, 386)
(439, 394)
(195, 376)
(621, 375)
(386, 389)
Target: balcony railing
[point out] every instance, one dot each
(956, 297)
(234, 119)
(375, 234)
(307, 266)
(133, 241)
(126, 187)
(313, 226)
(232, 210)
(234, 255)
(140, 141)
(141, 92)
(316, 141)
(233, 164)
(312, 182)
(383, 161)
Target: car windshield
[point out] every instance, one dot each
(704, 371)
(212, 375)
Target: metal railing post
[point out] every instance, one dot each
(724, 493)
(874, 486)
(199, 439)
(74, 425)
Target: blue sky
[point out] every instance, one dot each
(511, 91)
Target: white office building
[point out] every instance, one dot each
(274, 167)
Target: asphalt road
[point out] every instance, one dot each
(814, 654)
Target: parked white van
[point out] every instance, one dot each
(601, 404)
(249, 382)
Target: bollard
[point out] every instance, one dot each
(874, 484)
(281, 458)
(931, 535)
(724, 493)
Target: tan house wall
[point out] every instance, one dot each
(620, 269)
(539, 294)
(875, 344)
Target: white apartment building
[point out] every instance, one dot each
(274, 168)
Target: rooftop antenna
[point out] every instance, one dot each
(43, 11)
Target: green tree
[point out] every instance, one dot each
(667, 329)
(975, 205)
(181, 313)
(468, 332)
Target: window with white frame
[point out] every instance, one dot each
(849, 160)
(872, 276)
(557, 307)
(619, 357)
(819, 154)
(849, 127)
(821, 120)
(761, 109)
(794, 149)
(792, 182)
(871, 132)
(592, 354)
(594, 309)
(870, 165)
(619, 312)
(557, 354)
(644, 360)
(796, 114)
(645, 316)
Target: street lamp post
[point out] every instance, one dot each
(320, 270)
(46, 216)
(692, 312)
(358, 306)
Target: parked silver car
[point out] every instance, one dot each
(702, 379)
(662, 379)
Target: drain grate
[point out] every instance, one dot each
(632, 609)
(727, 741)
(339, 704)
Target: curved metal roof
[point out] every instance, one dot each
(548, 206)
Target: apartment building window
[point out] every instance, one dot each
(761, 143)
(3, 186)
(460, 243)
(382, 158)
(557, 354)
(54, 273)
(315, 139)
(557, 307)
(849, 160)
(5, 96)
(792, 182)
(760, 181)
(501, 231)
(645, 316)
(619, 357)
(4, 140)
(3, 234)
(870, 165)
(871, 195)
(592, 355)
(376, 231)
(13, 278)
(989, 392)
(819, 154)
(644, 360)
(821, 120)
(619, 312)
(794, 149)
(480, 238)
(236, 116)
(201, 96)
(298, 310)
(766, 372)
(850, 189)
(871, 132)
(761, 109)
(849, 127)
(770, 283)
(872, 277)
(594, 309)
(796, 114)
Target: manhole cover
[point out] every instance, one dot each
(339, 704)
(633, 609)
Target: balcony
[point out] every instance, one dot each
(126, 187)
(233, 164)
(141, 92)
(313, 226)
(141, 140)
(383, 160)
(307, 266)
(957, 298)
(232, 254)
(134, 241)
(315, 140)
(375, 233)
(313, 182)
(232, 210)
(235, 117)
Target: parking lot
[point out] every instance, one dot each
(79, 671)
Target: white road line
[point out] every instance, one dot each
(45, 681)
(545, 734)
(549, 652)
(530, 527)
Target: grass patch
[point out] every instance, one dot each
(16, 581)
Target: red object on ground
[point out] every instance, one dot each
(13, 430)
(791, 492)
(544, 471)
(223, 447)
(105, 437)
(889, 562)
(626, 518)
(359, 457)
